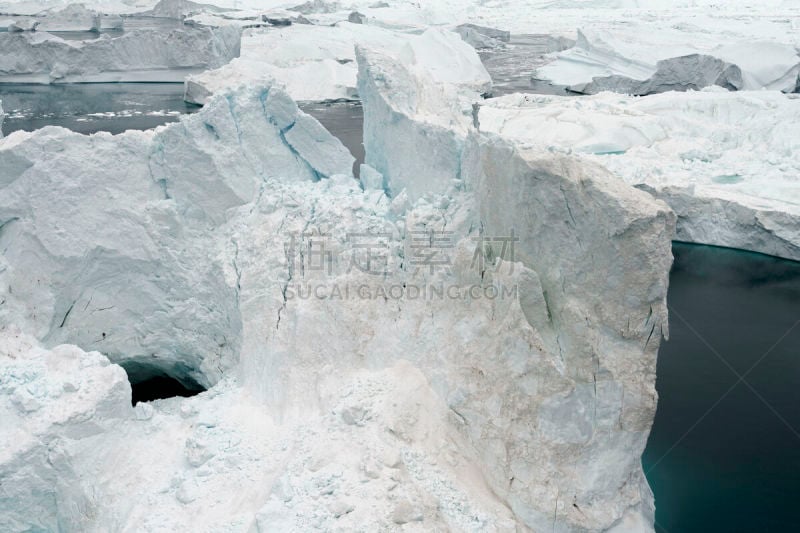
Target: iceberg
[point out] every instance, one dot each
(135, 56)
(481, 37)
(160, 196)
(578, 217)
(615, 59)
(414, 127)
(425, 148)
(692, 72)
(730, 186)
(188, 249)
(72, 17)
(319, 64)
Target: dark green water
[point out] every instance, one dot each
(724, 454)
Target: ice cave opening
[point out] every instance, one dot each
(152, 382)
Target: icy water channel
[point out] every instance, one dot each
(724, 453)
(92, 107)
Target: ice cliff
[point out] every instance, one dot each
(136, 56)
(729, 185)
(186, 250)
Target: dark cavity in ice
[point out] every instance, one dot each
(150, 383)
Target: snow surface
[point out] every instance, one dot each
(724, 161)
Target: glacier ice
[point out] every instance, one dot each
(137, 56)
(729, 185)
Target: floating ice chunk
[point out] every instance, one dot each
(322, 80)
(482, 37)
(179, 9)
(20, 25)
(764, 64)
(112, 22)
